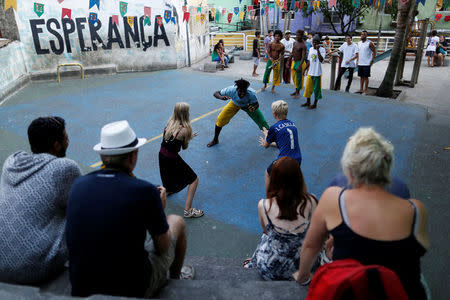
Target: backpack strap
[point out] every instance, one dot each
(343, 208)
(415, 224)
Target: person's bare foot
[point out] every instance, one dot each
(255, 74)
(314, 106)
(296, 96)
(212, 143)
(263, 89)
(359, 92)
(273, 90)
(293, 94)
(306, 104)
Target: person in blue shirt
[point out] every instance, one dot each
(242, 97)
(284, 134)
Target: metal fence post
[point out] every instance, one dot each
(333, 70)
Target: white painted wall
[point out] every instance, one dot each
(12, 65)
(132, 58)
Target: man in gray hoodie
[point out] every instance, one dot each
(34, 190)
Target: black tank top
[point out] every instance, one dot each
(171, 146)
(401, 256)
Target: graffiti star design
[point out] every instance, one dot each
(39, 9)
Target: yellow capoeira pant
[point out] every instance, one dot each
(276, 73)
(297, 77)
(313, 84)
(231, 109)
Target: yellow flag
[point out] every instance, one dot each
(241, 15)
(130, 21)
(197, 18)
(202, 18)
(11, 3)
(213, 11)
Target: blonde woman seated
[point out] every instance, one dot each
(367, 222)
(175, 172)
(284, 217)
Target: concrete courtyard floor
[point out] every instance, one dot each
(231, 173)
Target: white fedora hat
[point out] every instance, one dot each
(118, 138)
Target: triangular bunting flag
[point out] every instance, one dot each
(199, 9)
(130, 21)
(236, 10)
(184, 8)
(94, 2)
(93, 17)
(147, 12)
(11, 3)
(159, 20)
(66, 12)
(230, 17)
(202, 18)
(217, 16)
(331, 3)
(421, 1)
(115, 20)
(167, 15)
(174, 21)
(186, 17)
(292, 5)
(241, 16)
(123, 8)
(60, 1)
(39, 9)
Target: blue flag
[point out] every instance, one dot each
(94, 2)
(421, 1)
(292, 5)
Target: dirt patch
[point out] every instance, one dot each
(372, 91)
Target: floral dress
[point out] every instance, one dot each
(277, 255)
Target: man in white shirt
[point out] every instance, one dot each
(348, 50)
(288, 45)
(365, 53)
(314, 80)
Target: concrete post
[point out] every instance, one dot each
(333, 70)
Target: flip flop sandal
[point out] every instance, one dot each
(187, 272)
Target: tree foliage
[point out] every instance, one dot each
(345, 12)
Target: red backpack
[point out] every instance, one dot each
(348, 279)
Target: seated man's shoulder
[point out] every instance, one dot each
(66, 165)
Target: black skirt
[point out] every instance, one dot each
(175, 173)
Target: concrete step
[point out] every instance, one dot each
(74, 72)
(215, 278)
(233, 289)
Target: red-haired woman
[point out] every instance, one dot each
(284, 217)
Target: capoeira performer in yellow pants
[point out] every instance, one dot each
(314, 80)
(242, 97)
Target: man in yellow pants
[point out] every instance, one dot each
(276, 52)
(298, 62)
(314, 80)
(241, 98)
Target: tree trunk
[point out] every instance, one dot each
(403, 18)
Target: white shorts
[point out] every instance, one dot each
(256, 61)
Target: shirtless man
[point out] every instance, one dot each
(276, 52)
(298, 58)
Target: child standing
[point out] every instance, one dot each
(256, 55)
(284, 134)
(314, 80)
(175, 172)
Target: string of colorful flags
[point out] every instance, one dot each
(216, 13)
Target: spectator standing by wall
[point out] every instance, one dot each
(288, 45)
(433, 42)
(256, 55)
(365, 54)
(348, 50)
(267, 40)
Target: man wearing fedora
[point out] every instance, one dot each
(119, 239)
